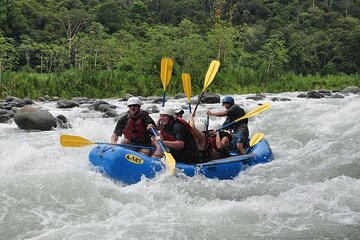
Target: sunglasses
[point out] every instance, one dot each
(134, 105)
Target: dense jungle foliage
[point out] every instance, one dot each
(106, 48)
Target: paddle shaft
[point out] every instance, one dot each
(197, 104)
(159, 141)
(164, 99)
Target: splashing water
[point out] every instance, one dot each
(311, 190)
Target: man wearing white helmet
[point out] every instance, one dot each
(133, 125)
(176, 135)
(240, 131)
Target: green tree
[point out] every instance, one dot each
(26, 50)
(221, 39)
(8, 55)
(273, 56)
(73, 22)
(112, 15)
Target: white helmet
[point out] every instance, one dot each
(200, 125)
(134, 101)
(168, 111)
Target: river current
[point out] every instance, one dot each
(311, 190)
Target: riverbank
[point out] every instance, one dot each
(116, 83)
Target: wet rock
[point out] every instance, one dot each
(257, 97)
(62, 122)
(110, 113)
(325, 92)
(67, 104)
(274, 99)
(209, 97)
(4, 118)
(351, 89)
(5, 115)
(157, 100)
(337, 95)
(154, 98)
(82, 100)
(106, 107)
(302, 95)
(152, 109)
(9, 98)
(314, 94)
(28, 101)
(96, 105)
(29, 118)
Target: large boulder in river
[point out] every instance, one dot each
(351, 89)
(29, 118)
(210, 97)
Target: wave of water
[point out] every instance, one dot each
(311, 190)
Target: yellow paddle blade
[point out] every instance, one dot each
(257, 137)
(255, 111)
(170, 162)
(74, 141)
(186, 81)
(210, 75)
(166, 71)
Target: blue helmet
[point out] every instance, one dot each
(228, 99)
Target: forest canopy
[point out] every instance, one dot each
(96, 46)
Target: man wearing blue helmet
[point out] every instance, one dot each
(240, 130)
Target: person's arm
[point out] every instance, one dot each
(202, 140)
(114, 138)
(118, 131)
(221, 143)
(217, 114)
(177, 144)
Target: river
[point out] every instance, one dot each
(310, 191)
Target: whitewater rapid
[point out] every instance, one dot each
(310, 191)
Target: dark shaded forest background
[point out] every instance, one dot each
(106, 48)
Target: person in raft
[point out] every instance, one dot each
(133, 125)
(175, 134)
(211, 146)
(178, 113)
(239, 130)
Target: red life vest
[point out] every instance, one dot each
(167, 136)
(136, 129)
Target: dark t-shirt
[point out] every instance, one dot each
(190, 152)
(235, 112)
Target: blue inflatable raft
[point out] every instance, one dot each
(129, 167)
